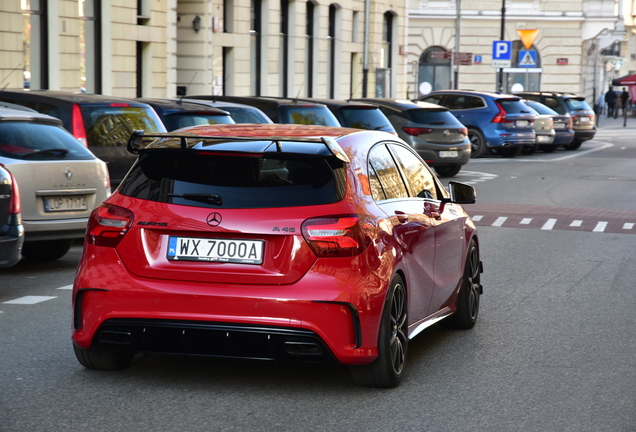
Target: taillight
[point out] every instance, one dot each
(338, 236)
(107, 225)
(14, 202)
(463, 131)
(77, 122)
(501, 115)
(570, 124)
(416, 131)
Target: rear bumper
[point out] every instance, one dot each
(434, 154)
(563, 138)
(37, 230)
(11, 245)
(320, 318)
(504, 138)
(584, 134)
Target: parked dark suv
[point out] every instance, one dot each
(283, 110)
(176, 114)
(583, 117)
(102, 123)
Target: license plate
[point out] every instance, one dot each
(559, 125)
(65, 203)
(215, 250)
(543, 138)
(449, 154)
(522, 123)
(584, 119)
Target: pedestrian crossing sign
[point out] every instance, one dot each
(528, 58)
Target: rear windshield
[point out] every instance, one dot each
(37, 141)
(365, 118)
(436, 117)
(113, 125)
(540, 108)
(184, 119)
(239, 182)
(577, 105)
(246, 115)
(513, 106)
(307, 114)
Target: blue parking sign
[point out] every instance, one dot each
(502, 50)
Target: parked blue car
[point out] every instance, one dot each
(496, 122)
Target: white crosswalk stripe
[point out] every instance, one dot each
(29, 300)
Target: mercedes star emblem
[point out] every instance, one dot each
(214, 219)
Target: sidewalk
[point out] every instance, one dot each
(616, 123)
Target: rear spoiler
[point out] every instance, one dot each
(187, 141)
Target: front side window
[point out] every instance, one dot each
(419, 178)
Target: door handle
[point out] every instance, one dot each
(431, 210)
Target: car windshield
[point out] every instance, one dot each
(513, 106)
(215, 180)
(28, 140)
(433, 117)
(577, 104)
(540, 108)
(308, 115)
(365, 118)
(108, 125)
(184, 119)
(246, 115)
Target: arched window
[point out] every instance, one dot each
(525, 71)
(434, 71)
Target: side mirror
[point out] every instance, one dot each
(460, 193)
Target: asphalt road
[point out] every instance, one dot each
(554, 348)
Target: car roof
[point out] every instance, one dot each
(477, 93)
(260, 100)
(180, 105)
(566, 95)
(220, 104)
(70, 97)
(405, 104)
(24, 115)
(339, 102)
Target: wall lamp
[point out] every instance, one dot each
(196, 23)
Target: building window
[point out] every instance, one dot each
(309, 49)
(90, 46)
(284, 47)
(36, 52)
(434, 71)
(383, 73)
(332, 50)
(255, 47)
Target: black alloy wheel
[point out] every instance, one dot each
(468, 298)
(477, 143)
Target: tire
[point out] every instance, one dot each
(478, 143)
(528, 150)
(99, 359)
(573, 145)
(468, 298)
(548, 148)
(509, 152)
(387, 370)
(448, 170)
(46, 250)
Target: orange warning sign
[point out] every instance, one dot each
(527, 37)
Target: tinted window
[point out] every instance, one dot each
(113, 125)
(429, 116)
(26, 140)
(435, 99)
(185, 119)
(418, 177)
(257, 181)
(512, 106)
(551, 102)
(577, 104)
(540, 108)
(382, 164)
(246, 115)
(309, 115)
(453, 101)
(365, 118)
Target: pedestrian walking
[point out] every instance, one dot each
(610, 100)
(601, 104)
(624, 97)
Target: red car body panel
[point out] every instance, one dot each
(292, 287)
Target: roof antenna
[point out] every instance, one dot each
(193, 77)
(299, 90)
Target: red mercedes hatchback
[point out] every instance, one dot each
(285, 242)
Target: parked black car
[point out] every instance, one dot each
(240, 113)
(11, 229)
(583, 117)
(283, 110)
(358, 115)
(102, 123)
(177, 114)
(564, 134)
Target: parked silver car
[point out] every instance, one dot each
(60, 181)
(544, 129)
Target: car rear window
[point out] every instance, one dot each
(577, 104)
(112, 125)
(307, 114)
(540, 108)
(184, 119)
(431, 116)
(38, 141)
(513, 106)
(246, 115)
(365, 118)
(228, 181)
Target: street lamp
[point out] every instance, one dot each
(503, 37)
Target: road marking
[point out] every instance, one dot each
(600, 227)
(66, 287)
(525, 221)
(30, 300)
(628, 226)
(576, 223)
(477, 218)
(549, 224)
(500, 221)
(550, 157)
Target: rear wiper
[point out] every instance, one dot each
(55, 151)
(200, 197)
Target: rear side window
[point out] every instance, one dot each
(577, 104)
(436, 117)
(37, 141)
(112, 125)
(215, 180)
(384, 177)
(513, 106)
(309, 115)
(453, 101)
(185, 119)
(365, 118)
